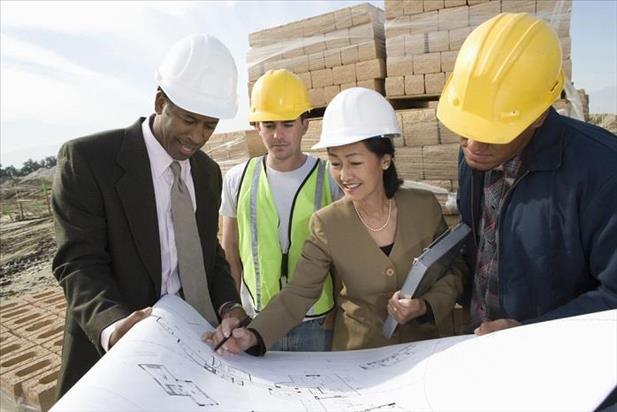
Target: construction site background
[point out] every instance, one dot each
(405, 52)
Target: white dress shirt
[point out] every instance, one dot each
(162, 179)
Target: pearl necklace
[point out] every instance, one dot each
(375, 229)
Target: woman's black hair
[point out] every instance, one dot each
(382, 146)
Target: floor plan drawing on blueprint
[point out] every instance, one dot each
(162, 364)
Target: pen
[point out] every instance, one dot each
(244, 323)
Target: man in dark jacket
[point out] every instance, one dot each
(538, 189)
(120, 197)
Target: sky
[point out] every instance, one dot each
(73, 68)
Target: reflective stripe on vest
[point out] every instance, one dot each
(265, 266)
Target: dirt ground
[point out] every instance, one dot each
(27, 248)
(27, 242)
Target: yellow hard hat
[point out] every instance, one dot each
(507, 73)
(278, 95)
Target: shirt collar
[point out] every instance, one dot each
(160, 160)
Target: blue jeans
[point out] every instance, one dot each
(309, 336)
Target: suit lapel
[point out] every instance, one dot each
(357, 228)
(136, 193)
(400, 237)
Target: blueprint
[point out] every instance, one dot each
(162, 364)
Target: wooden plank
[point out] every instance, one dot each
(371, 69)
(398, 26)
(454, 3)
(427, 63)
(393, 8)
(374, 84)
(332, 58)
(412, 7)
(430, 5)
(343, 74)
(440, 161)
(337, 39)
(363, 33)
(347, 85)
(330, 92)
(349, 54)
(438, 41)
(395, 46)
(453, 18)
(371, 50)
(314, 44)
(316, 61)
(395, 86)
(316, 96)
(448, 58)
(519, 6)
(416, 44)
(321, 78)
(414, 85)
(300, 64)
(434, 82)
(342, 18)
(446, 135)
(420, 127)
(566, 47)
(424, 22)
(306, 78)
(458, 36)
(399, 66)
(408, 161)
(479, 13)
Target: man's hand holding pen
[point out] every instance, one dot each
(231, 335)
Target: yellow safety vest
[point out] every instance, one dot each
(265, 266)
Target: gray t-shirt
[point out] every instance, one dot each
(283, 186)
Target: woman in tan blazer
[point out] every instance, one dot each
(366, 240)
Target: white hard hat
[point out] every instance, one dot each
(356, 114)
(199, 74)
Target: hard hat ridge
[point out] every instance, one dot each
(357, 114)
(507, 73)
(278, 95)
(199, 74)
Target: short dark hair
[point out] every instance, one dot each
(382, 146)
(158, 89)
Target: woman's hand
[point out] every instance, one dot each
(406, 309)
(236, 338)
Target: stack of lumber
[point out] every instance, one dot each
(231, 148)
(330, 52)
(345, 48)
(423, 37)
(584, 99)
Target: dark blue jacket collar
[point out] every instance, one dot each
(545, 149)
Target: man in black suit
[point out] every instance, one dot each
(111, 200)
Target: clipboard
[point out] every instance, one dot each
(429, 267)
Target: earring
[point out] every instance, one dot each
(385, 167)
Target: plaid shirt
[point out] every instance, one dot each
(485, 296)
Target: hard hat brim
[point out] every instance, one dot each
(210, 106)
(351, 140)
(263, 116)
(492, 131)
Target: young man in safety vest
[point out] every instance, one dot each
(539, 189)
(267, 203)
